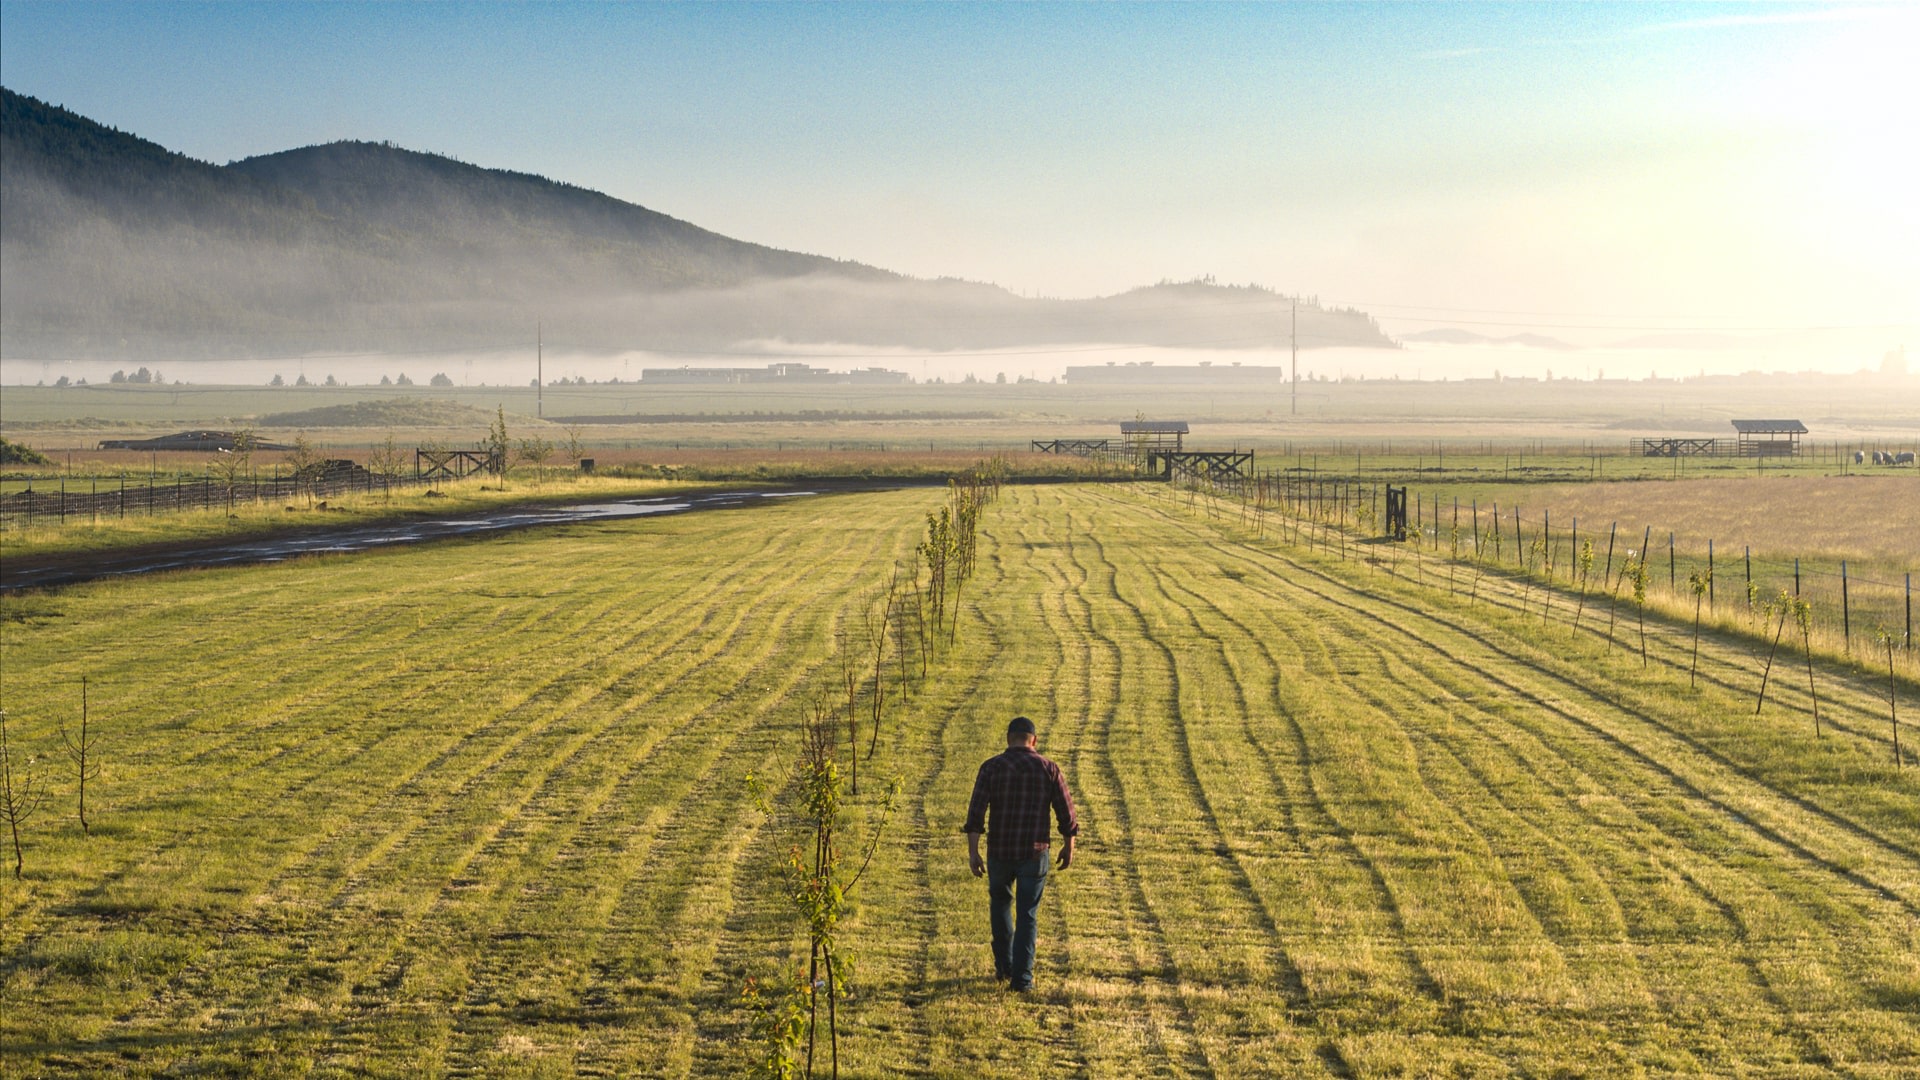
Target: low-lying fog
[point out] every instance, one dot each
(516, 365)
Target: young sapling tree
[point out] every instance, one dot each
(386, 463)
(850, 671)
(1784, 605)
(1803, 614)
(906, 609)
(499, 446)
(1613, 598)
(879, 619)
(1887, 639)
(1586, 570)
(533, 450)
(1546, 585)
(1697, 580)
(817, 884)
(229, 467)
(1640, 603)
(20, 793)
(86, 763)
(304, 462)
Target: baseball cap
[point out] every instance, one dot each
(1020, 725)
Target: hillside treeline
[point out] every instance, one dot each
(114, 246)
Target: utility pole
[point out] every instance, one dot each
(1294, 336)
(539, 371)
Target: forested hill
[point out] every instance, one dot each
(448, 208)
(114, 246)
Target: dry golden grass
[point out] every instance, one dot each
(1840, 517)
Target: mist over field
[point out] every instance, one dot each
(487, 488)
(515, 363)
(360, 260)
(114, 248)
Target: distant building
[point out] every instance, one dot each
(1153, 374)
(789, 373)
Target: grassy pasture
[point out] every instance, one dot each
(475, 808)
(1814, 523)
(474, 494)
(1871, 519)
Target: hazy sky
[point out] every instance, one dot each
(1549, 166)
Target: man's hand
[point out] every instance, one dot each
(1066, 854)
(978, 864)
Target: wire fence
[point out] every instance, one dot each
(96, 499)
(1857, 612)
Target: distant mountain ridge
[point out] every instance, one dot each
(111, 245)
(452, 206)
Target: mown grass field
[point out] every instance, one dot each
(477, 809)
(1848, 545)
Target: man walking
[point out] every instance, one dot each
(1016, 789)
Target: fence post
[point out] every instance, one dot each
(1749, 579)
(1909, 611)
(1846, 612)
(1709, 575)
(1519, 558)
(63, 500)
(1672, 581)
(1796, 575)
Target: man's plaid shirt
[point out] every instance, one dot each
(1019, 785)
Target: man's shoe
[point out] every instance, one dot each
(1019, 988)
(1003, 976)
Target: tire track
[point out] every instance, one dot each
(520, 856)
(1577, 690)
(1094, 772)
(1807, 1048)
(339, 905)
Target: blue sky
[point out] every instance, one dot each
(1527, 165)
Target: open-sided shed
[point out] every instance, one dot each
(1142, 437)
(1769, 438)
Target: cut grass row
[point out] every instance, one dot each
(363, 843)
(476, 808)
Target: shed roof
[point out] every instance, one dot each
(1153, 427)
(1769, 427)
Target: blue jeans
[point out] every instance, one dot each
(1013, 890)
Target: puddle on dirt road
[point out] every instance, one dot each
(76, 569)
